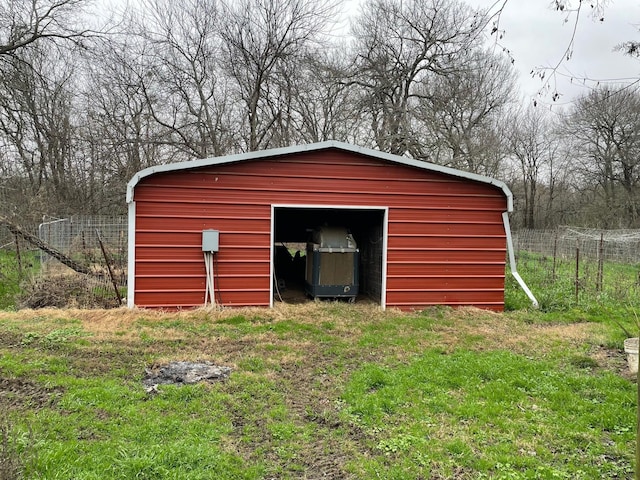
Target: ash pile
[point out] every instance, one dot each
(182, 373)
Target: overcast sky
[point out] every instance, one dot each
(537, 36)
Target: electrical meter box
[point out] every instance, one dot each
(332, 264)
(210, 240)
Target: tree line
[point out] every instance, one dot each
(86, 103)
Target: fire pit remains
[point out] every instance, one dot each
(180, 373)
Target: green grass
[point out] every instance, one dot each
(618, 299)
(499, 409)
(346, 391)
(12, 273)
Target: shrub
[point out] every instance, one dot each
(65, 290)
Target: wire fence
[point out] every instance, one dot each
(571, 265)
(85, 237)
(98, 244)
(583, 260)
(620, 246)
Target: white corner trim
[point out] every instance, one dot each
(131, 254)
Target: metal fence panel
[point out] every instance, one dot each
(621, 246)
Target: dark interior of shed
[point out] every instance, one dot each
(293, 227)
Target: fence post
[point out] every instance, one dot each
(555, 254)
(18, 255)
(600, 275)
(577, 270)
(108, 262)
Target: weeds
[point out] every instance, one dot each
(11, 466)
(64, 290)
(54, 339)
(556, 284)
(560, 288)
(17, 452)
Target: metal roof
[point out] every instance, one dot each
(313, 147)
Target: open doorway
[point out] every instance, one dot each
(292, 227)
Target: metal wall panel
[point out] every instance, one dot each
(446, 240)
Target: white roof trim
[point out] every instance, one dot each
(170, 167)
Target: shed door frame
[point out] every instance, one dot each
(385, 230)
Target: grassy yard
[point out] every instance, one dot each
(322, 390)
(615, 292)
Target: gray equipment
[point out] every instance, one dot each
(332, 264)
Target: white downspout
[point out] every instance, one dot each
(512, 261)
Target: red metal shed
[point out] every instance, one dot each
(428, 235)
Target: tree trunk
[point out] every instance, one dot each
(33, 240)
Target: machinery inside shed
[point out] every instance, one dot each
(296, 232)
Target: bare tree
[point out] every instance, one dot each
(25, 22)
(36, 123)
(464, 113)
(398, 45)
(261, 37)
(39, 42)
(604, 130)
(118, 133)
(532, 147)
(323, 101)
(180, 74)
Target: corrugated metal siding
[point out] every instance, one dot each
(446, 240)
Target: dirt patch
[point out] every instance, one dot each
(97, 360)
(22, 393)
(310, 393)
(612, 360)
(10, 339)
